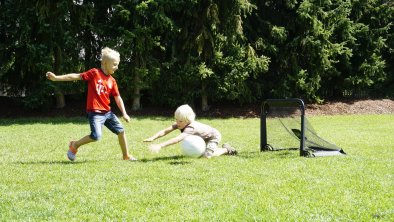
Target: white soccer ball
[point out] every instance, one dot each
(193, 146)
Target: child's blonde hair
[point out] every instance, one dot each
(185, 112)
(108, 53)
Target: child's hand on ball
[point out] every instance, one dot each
(155, 148)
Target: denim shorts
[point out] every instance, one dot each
(97, 120)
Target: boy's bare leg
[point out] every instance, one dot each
(74, 145)
(84, 140)
(123, 145)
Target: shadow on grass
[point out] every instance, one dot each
(172, 160)
(51, 162)
(183, 160)
(44, 120)
(248, 155)
(287, 153)
(282, 154)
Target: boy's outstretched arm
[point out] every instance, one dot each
(156, 147)
(160, 134)
(120, 104)
(68, 77)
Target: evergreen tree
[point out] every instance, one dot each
(38, 36)
(137, 30)
(208, 56)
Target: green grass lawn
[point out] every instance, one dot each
(38, 183)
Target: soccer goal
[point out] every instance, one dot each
(285, 127)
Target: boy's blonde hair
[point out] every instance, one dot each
(108, 53)
(185, 113)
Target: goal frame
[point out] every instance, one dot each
(292, 102)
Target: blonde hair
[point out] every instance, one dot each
(109, 54)
(185, 112)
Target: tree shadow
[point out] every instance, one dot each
(44, 120)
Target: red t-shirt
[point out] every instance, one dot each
(100, 87)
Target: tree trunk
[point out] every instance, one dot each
(204, 97)
(136, 93)
(60, 101)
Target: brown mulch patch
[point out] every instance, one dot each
(369, 106)
(366, 106)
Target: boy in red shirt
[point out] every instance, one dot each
(101, 85)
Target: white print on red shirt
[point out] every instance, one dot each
(100, 88)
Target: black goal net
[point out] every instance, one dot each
(285, 127)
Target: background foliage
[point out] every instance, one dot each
(200, 51)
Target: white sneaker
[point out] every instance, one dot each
(133, 159)
(72, 152)
(71, 156)
(130, 158)
(230, 150)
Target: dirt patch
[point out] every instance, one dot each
(383, 106)
(369, 106)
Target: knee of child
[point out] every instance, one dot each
(95, 137)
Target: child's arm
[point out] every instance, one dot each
(156, 147)
(160, 134)
(67, 77)
(120, 104)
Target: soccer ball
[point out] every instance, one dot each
(193, 146)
